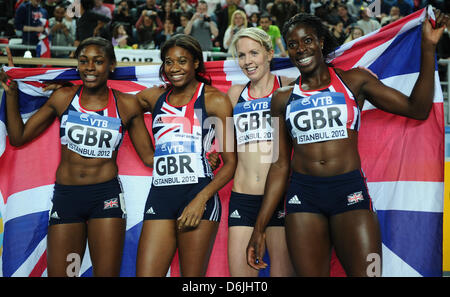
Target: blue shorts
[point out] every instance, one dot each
(328, 195)
(244, 208)
(168, 202)
(75, 204)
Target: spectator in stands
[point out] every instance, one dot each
(123, 16)
(182, 6)
(152, 6)
(394, 15)
(345, 17)
(168, 10)
(253, 20)
(251, 7)
(338, 32)
(148, 27)
(28, 21)
(238, 22)
(405, 7)
(122, 13)
(184, 19)
(354, 7)
(120, 37)
(224, 18)
(283, 10)
(314, 4)
(201, 27)
(90, 23)
(274, 32)
(118, 33)
(355, 33)
(367, 23)
(50, 6)
(62, 31)
(101, 9)
(167, 32)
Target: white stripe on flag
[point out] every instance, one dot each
(393, 266)
(407, 195)
(28, 265)
(405, 84)
(136, 189)
(29, 201)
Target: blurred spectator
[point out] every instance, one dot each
(238, 22)
(90, 23)
(314, 4)
(385, 8)
(274, 32)
(201, 27)
(184, 19)
(346, 18)
(367, 23)
(168, 10)
(62, 31)
(251, 7)
(123, 16)
(50, 6)
(338, 32)
(122, 13)
(394, 15)
(253, 20)
(182, 6)
(354, 7)
(29, 21)
(120, 37)
(150, 5)
(167, 32)
(224, 17)
(118, 33)
(355, 33)
(148, 27)
(405, 7)
(283, 10)
(101, 9)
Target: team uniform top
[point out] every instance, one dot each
(91, 133)
(252, 116)
(321, 115)
(181, 140)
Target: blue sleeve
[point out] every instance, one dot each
(19, 19)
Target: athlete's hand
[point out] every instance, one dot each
(10, 86)
(256, 249)
(431, 34)
(214, 160)
(192, 214)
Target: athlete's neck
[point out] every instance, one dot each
(262, 87)
(316, 79)
(183, 94)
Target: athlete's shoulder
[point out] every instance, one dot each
(234, 92)
(216, 101)
(61, 97)
(148, 97)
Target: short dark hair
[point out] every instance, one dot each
(190, 44)
(105, 44)
(329, 41)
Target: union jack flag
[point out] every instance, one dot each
(111, 203)
(355, 197)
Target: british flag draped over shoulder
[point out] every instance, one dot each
(402, 158)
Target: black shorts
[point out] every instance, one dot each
(244, 208)
(328, 195)
(168, 202)
(75, 204)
